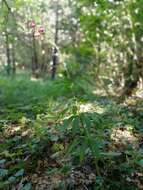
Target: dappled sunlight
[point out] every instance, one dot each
(124, 137)
(139, 93)
(12, 130)
(36, 79)
(99, 91)
(91, 107)
(15, 130)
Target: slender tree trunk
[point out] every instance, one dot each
(131, 79)
(43, 59)
(43, 64)
(8, 53)
(55, 52)
(131, 74)
(13, 61)
(34, 57)
(55, 62)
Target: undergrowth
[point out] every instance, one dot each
(58, 135)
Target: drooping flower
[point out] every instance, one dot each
(32, 24)
(41, 30)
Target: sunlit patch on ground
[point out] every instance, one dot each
(91, 107)
(124, 137)
(35, 79)
(11, 130)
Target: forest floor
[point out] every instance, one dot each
(55, 136)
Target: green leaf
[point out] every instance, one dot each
(19, 173)
(82, 152)
(2, 161)
(140, 162)
(54, 138)
(12, 179)
(28, 186)
(87, 121)
(65, 124)
(4, 184)
(3, 172)
(72, 147)
(110, 154)
(75, 125)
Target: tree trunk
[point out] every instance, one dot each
(8, 54)
(13, 61)
(34, 57)
(131, 75)
(55, 52)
